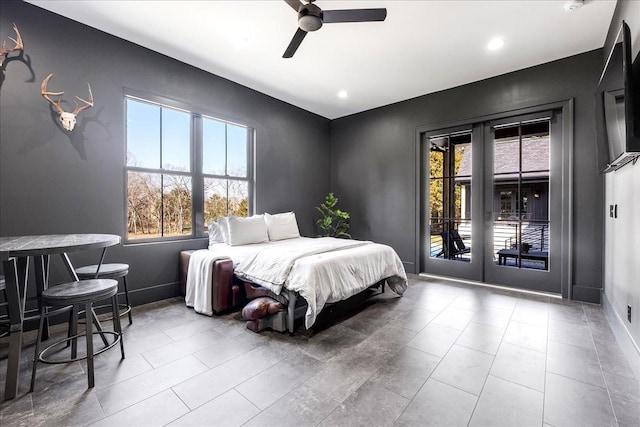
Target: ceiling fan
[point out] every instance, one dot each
(311, 18)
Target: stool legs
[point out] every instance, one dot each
(89, 332)
(126, 296)
(73, 338)
(115, 309)
(73, 331)
(37, 354)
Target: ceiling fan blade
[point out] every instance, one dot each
(295, 42)
(295, 4)
(353, 15)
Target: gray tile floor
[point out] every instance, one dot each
(444, 354)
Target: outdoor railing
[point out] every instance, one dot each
(535, 235)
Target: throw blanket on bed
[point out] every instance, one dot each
(270, 266)
(198, 292)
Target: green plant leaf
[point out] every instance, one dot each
(334, 222)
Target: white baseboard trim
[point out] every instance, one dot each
(623, 337)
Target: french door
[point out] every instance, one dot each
(492, 202)
(451, 202)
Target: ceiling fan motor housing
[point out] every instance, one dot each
(310, 18)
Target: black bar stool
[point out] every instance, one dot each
(72, 295)
(109, 271)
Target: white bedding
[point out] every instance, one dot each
(321, 270)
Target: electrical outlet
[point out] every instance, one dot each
(629, 313)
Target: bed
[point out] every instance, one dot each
(318, 270)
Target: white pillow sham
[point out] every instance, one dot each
(215, 232)
(282, 226)
(245, 231)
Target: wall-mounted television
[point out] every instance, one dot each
(616, 107)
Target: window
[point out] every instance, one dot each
(226, 183)
(182, 170)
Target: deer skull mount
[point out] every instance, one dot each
(4, 50)
(68, 119)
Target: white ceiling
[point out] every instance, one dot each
(422, 46)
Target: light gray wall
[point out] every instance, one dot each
(52, 181)
(622, 239)
(373, 167)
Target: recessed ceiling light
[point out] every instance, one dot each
(342, 94)
(572, 5)
(239, 41)
(495, 44)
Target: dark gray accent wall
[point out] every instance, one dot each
(52, 181)
(373, 165)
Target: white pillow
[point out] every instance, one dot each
(282, 226)
(244, 231)
(215, 232)
(224, 228)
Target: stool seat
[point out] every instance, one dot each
(79, 292)
(107, 271)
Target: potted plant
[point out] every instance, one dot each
(334, 222)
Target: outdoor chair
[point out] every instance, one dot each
(452, 245)
(459, 243)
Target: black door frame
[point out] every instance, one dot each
(565, 170)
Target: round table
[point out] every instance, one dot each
(15, 252)
(47, 244)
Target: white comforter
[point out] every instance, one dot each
(321, 270)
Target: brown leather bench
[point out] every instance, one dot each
(226, 292)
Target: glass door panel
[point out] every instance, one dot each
(521, 186)
(449, 160)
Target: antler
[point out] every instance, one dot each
(5, 50)
(68, 119)
(89, 104)
(45, 94)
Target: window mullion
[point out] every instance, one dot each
(197, 184)
(226, 162)
(161, 150)
(162, 205)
